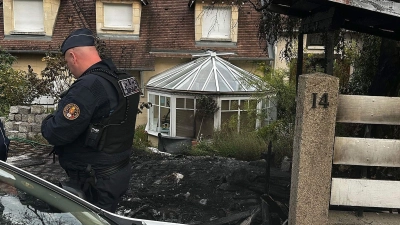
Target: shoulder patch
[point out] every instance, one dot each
(71, 111)
(129, 86)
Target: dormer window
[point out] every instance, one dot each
(32, 19)
(119, 20)
(118, 16)
(216, 22)
(28, 16)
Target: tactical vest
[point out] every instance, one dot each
(115, 133)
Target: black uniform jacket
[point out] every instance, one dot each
(88, 100)
(4, 143)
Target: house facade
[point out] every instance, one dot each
(143, 37)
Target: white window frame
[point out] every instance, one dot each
(237, 110)
(28, 16)
(159, 104)
(217, 22)
(184, 108)
(269, 110)
(121, 17)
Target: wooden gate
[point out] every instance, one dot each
(316, 149)
(367, 152)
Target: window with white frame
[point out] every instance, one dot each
(269, 112)
(240, 112)
(216, 22)
(159, 114)
(28, 16)
(118, 16)
(185, 117)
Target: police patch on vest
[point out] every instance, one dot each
(71, 111)
(129, 86)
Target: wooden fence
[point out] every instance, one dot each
(316, 149)
(367, 152)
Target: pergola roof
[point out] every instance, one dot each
(209, 73)
(376, 17)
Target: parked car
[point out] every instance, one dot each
(28, 199)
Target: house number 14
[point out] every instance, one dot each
(322, 101)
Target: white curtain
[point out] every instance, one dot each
(118, 15)
(28, 16)
(217, 22)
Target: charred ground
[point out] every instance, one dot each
(178, 188)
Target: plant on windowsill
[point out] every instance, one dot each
(206, 107)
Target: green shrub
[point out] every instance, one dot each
(140, 140)
(203, 148)
(17, 87)
(246, 145)
(240, 145)
(281, 134)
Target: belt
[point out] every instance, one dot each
(98, 172)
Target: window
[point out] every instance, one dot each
(185, 117)
(159, 114)
(239, 112)
(118, 16)
(268, 110)
(28, 16)
(315, 41)
(216, 22)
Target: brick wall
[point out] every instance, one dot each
(24, 121)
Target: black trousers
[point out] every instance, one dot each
(107, 191)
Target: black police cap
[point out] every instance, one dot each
(80, 37)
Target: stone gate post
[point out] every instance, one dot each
(316, 107)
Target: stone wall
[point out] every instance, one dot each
(24, 121)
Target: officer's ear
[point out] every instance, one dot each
(70, 56)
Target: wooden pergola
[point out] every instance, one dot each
(376, 17)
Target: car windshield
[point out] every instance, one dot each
(26, 201)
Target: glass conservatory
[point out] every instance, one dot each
(175, 96)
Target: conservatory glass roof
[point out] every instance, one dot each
(209, 73)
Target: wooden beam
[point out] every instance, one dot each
(321, 21)
(286, 10)
(367, 193)
(370, 30)
(329, 52)
(300, 52)
(366, 152)
(382, 7)
(368, 109)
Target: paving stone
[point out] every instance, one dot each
(37, 109)
(14, 109)
(11, 116)
(24, 109)
(17, 117)
(22, 135)
(31, 118)
(40, 117)
(24, 117)
(32, 135)
(9, 125)
(25, 127)
(36, 128)
(11, 133)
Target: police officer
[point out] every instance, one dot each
(93, 127)
(4, 143)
